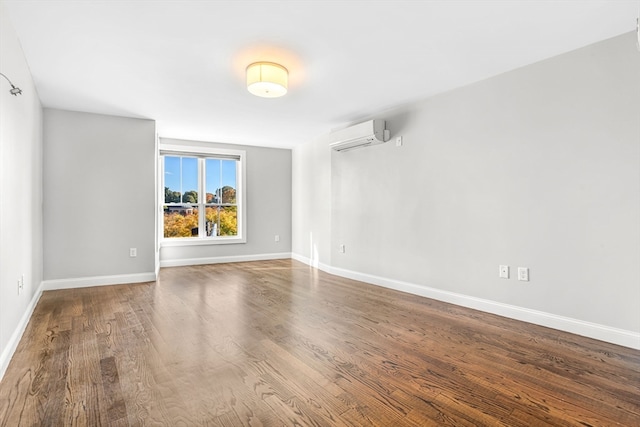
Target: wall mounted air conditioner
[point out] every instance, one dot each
(360, 135)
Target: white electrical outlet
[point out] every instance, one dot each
(341, 249)
(523, 274)
(399, 141)
(133, 252)
(503, 271)
(277, 238)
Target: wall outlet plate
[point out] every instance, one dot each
(523, 274)
(503, 271)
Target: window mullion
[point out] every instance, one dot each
(220, 196)
(201, 199)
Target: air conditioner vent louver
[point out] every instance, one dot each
(360, 135)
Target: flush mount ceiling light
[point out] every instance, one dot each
(267, 79)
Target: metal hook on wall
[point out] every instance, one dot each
(15, 91)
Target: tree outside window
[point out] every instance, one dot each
(200, 197)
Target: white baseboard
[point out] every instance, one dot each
(85, 282)
(312, 262)
(12, 345)
(579, 327)
(223, 259)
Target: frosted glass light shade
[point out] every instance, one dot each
(267, 79)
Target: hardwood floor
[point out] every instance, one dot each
(277, 343)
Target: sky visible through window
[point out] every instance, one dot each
(181, 174)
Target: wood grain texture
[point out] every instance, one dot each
(277, 343)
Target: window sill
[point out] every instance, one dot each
(201, 242)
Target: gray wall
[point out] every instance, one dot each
(21, 194)
(268, 187)
(538, 167)
(99, 195)
(311, 214)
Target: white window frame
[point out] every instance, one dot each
(204, 152)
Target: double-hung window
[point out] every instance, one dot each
(202, 197)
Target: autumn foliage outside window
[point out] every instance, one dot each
(200, 197)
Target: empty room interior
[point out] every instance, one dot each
(319, 213)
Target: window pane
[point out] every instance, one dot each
(228, 221)
(212, 180)
(180, 179)
(172, 187)
(180, 221)
(221, 221)
(211, 220)
(189, 180)
(229, 181)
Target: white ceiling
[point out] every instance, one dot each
(182, 63)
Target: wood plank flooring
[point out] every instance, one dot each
(277, 343)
